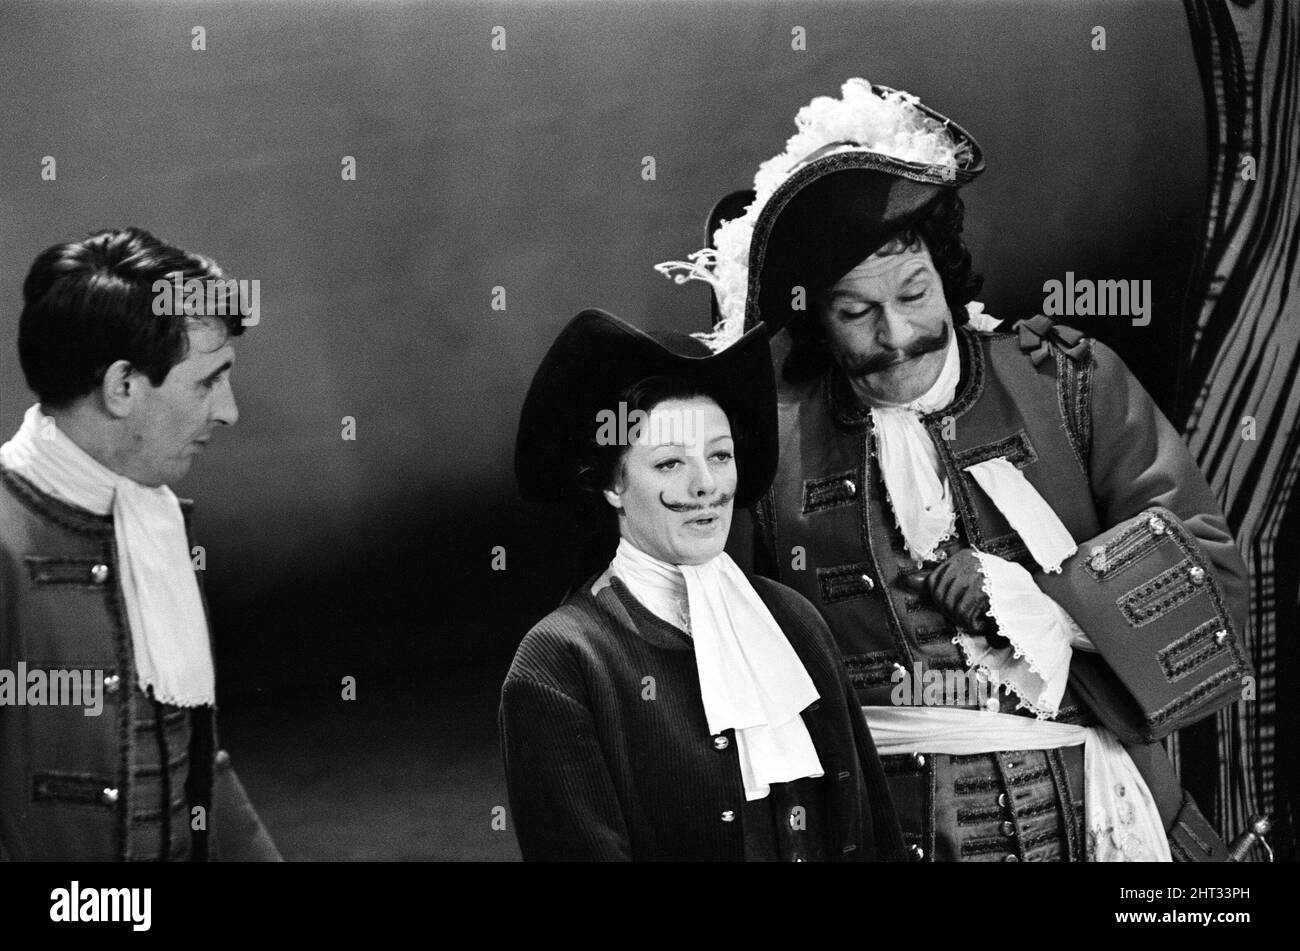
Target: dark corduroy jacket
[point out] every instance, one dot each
(608, 753)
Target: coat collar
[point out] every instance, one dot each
(64, 514)
(624, 610)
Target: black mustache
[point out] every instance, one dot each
(883, 361)
(722, 502)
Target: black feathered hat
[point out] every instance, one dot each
(817, 212)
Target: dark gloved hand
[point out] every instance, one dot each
(956, 587)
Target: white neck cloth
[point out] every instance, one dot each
(173, 655)
(917, 484)
(751, 679)
(914, 479)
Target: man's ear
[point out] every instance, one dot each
(614, 498)
(119, 389)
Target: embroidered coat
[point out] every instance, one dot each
(1157, 583)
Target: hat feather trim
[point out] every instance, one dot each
(875, 119)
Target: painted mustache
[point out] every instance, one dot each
(722, 502)
(883, 361)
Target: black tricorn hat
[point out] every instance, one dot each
(835, 210)
(596, 356)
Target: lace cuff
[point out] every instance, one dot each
(1036, 664)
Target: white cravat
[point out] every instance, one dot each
(751, 679)
(169, 630)
(917, 484)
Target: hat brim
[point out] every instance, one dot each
(596, 356)
(835, 211)
(827, 218)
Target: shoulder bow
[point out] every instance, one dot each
(1039, 334)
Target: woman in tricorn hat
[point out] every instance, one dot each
(674, 707)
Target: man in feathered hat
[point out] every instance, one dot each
(1029, 580)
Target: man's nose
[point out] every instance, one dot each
(893, 332)
(227, 410)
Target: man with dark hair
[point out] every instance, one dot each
(97, 587)
(1029, 580)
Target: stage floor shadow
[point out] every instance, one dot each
(408, 771)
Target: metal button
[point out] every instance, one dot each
(1002, 799)
(1098, 560)
(99, 573)
(721, 742)
(1197, 575)
(866, 580)
(918, 759)
(1011, 858)
(796, 819)
(1220, 637)
(917, 853)
(800, 858)
(223, 758)
(108, 796)
(1156, 524)
(940, 555)
(851, 487)
(1008, 828)
(111, 683)
(728, 816)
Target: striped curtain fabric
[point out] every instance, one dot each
(1238, 400)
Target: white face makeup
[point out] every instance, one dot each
(887, 323)
(675, 486)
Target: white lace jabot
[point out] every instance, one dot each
(751, 679)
